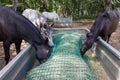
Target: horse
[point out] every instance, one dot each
(40, 22)
(14, 28)
(51, 16)
(105, 24)
(34, 16)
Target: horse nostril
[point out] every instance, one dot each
(52, 46)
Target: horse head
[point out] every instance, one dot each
(46, 32)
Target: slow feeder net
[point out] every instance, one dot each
(65, 62)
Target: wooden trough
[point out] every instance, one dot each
(24, 61)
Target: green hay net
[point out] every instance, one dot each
(65, 62)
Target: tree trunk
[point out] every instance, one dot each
(107, 4)
(15, 3)
(43, 5)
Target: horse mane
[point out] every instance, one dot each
(33, 27)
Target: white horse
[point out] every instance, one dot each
(34, 16)
(51, 16)
(40, 22)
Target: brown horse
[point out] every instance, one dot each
(104, 25)
(14, 28)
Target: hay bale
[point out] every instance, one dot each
(65, 62)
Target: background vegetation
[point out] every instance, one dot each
(65, 8)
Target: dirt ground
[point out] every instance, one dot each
(114, 41)
(12, 52)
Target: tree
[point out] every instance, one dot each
(65, 8)
(15, 3)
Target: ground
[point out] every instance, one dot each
(114, 40)
(12, 53)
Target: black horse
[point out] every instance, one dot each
(14, 28)
(104, 25)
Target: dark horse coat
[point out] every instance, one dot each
(104, 25)
(14, 28)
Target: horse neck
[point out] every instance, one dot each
(29, 32)
(95, 30)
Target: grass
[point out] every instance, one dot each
(84, 18)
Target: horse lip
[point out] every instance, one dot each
(51, 46)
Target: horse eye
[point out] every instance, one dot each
(45, 27)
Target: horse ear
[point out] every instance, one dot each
(38, 24)
(41, 25)
(106, 14)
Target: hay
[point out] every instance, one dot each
(65, 62)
